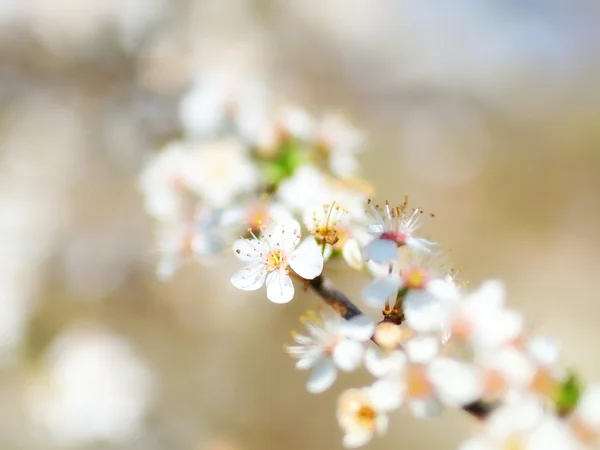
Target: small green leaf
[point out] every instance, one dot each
(289, 157)
(568, 394)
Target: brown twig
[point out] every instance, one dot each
(334, 297)
(347, 309)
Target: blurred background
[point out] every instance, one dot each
(484, 112)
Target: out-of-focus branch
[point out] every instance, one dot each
(335, 298)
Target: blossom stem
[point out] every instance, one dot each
(335, 298)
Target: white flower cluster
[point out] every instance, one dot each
(240, 165)
(260, 181)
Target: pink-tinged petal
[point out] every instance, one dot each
(347, 355)
(307, 260)
(322, 377)
(249, 278)
(280, 288)
(376, 293)
(359, 328)
(381, 251)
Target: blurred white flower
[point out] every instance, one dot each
(385, 363)
(332, 343)
(161, 181)
(586, 416)
(255, 214)
(269, 257)
(220, 170)
(221, 98)
(304, 190)
(428, 292)
(178, 242)
(94, 388)
(340, 143)
(523, 424)
(295, 121)
(362, 413)
(456, 383)
(482, 319)
(332, 228)
(393, 228)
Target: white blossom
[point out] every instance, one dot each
(270, 257)
(429, 294)
(332, 228)
(587, 413)
(219, 98)
(332, 343)
(393, 228)
(220, 170)
(304, 190)
(362, 413)
(179, 242)
(340, 143)
(482, 319)
(523, 424)
(94, 388)
(162, 182)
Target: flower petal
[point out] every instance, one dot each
(247, 249)
(386, 364)
(307, 260)
(285, 235)
(426, 313)
(386, 395)
(359, 328)
(422, 349)
(347, 355)
(249, 278)
(280, 288)
(456, 383)
(357, 437)
(376, 293)
(381, 251)
(352, 255)
(420, 245)
(322, 377)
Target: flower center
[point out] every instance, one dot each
(328, 229)
(415, 278)
(397, 237)
(275, 260)
(366, 416)
(257, 217)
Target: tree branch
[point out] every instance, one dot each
(335, 298)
